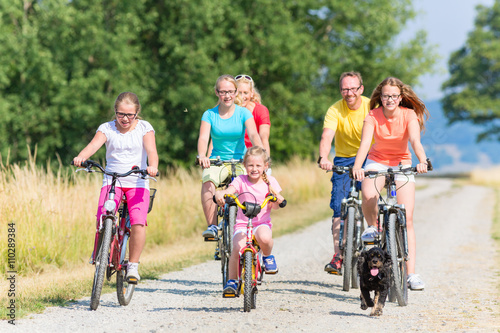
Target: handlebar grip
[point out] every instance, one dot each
(283, 204)
(72, 163)
(429, 165)
(213, 198)
(87, 163)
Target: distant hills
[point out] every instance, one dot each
(454, 148)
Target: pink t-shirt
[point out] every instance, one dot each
(391, 136)
(261, 116)
(254, 193)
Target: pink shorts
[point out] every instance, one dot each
(241, 227)
(137, 201)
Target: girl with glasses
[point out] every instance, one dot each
(249, 97)
(130, 142)
(396, 117)
(225, 125)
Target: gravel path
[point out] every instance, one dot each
(455, 259)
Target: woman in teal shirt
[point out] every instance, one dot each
(225, 124)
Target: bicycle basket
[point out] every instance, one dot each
(152, 193)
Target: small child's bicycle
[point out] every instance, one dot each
(110, 253)
(250, 269)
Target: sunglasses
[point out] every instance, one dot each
(241, 76)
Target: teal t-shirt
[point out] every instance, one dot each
(228, 135)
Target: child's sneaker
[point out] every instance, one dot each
(230, 289)
(270, 265)
(335, 266)
(133, 273)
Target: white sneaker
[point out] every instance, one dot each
(415, 282)
(133, 273)
(369, 234)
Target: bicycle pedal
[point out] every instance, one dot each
(211, 239)
(132, 281)
(229, 295)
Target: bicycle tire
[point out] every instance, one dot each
(348, 248)
(399, 286)
(247, 278)
(358, 247)
(101, 264)
(124, 290)
(233, 211)
(224, 252)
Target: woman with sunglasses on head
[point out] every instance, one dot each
(249, 97)
(130, 142)
(396, 117)
(225, 125)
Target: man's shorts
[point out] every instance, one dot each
(341, 184)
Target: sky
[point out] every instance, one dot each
(447, 23)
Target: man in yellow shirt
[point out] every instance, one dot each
(343, 121)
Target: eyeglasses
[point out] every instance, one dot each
(248, 77)
(353, 90)
(128, 115)
(226, 92)
(386, 97)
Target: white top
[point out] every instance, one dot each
(125, 150)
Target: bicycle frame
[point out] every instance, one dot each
(351, 227)
(225, 225)
(250, 269)
(394, 239)
(110, 244)
(352, 200)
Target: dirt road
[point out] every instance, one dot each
(455, 258)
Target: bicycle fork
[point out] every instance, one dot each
(400, 212)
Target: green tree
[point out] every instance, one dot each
(473, 89)
(64, 63)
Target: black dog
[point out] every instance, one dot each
(374, 269)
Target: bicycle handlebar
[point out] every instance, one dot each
(251, 209)
(401, 170)
(88, 164)
(340, 169)
(218, 162)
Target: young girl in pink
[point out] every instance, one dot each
(130, 142)
(396, 118)
(252, 187)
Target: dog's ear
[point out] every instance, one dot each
(388, 260)
(362, 258)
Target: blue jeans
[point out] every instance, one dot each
(341, 183)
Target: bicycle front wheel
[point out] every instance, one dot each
(233, 211)
(124, 290)
(248, 290)
(101, 264)
(399, 285)
(349, 248)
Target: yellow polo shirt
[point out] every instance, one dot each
(347, 125)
